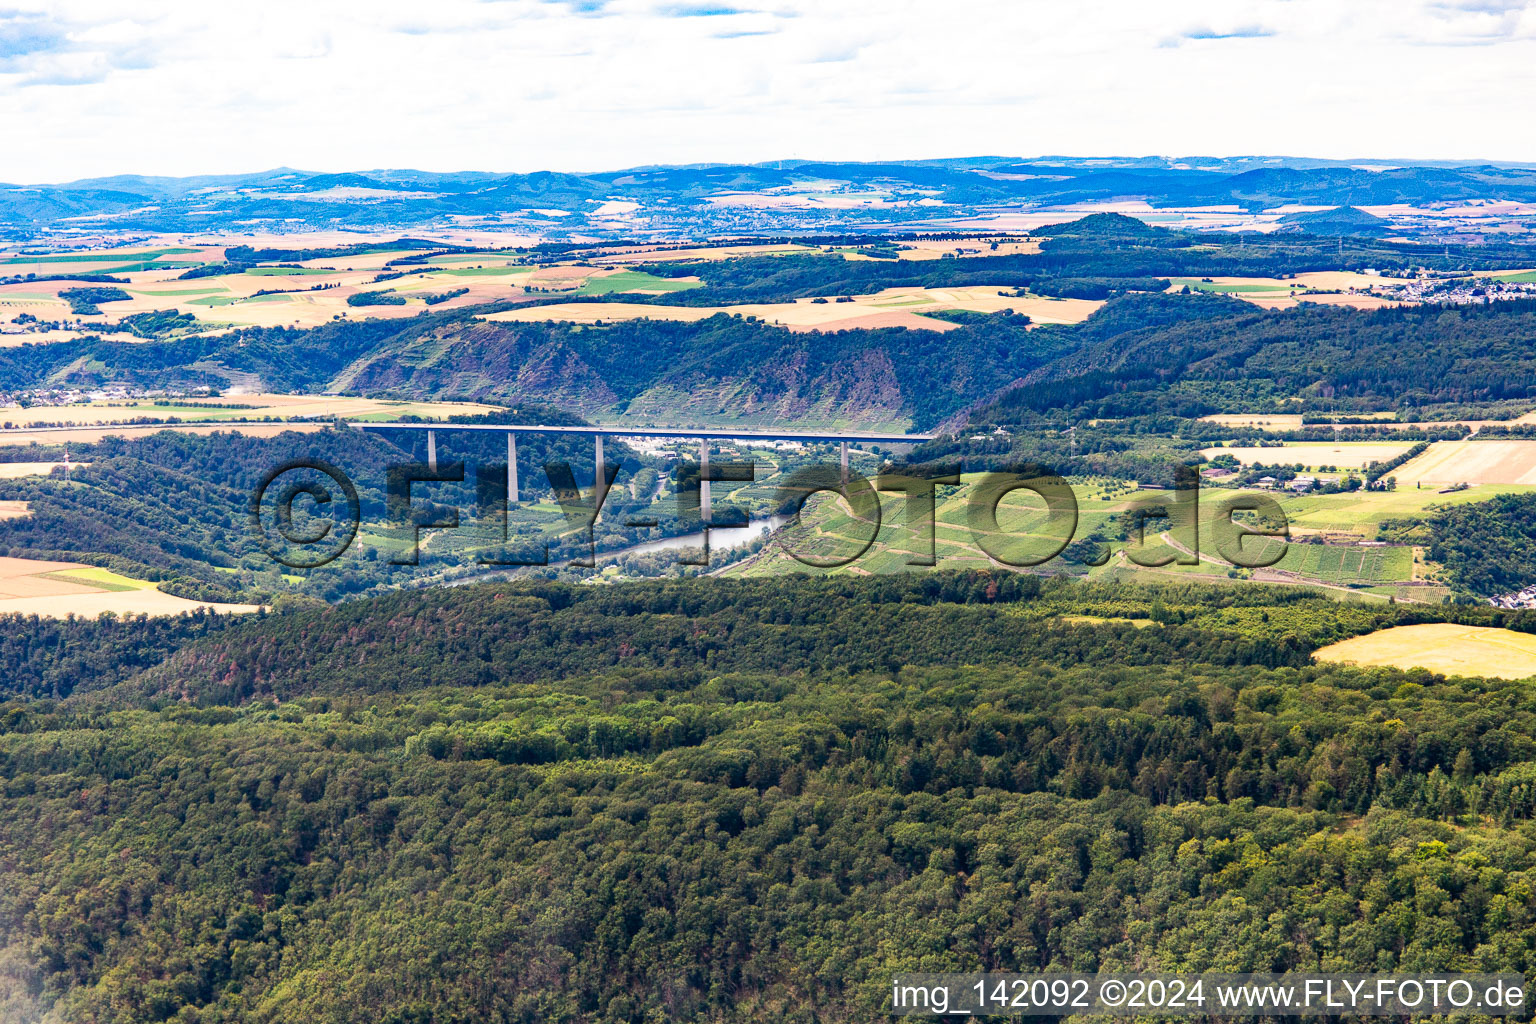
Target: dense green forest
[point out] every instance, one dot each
(1191, 355)
(704, 800)
(1488, 548)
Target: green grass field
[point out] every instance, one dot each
(633, 280)
(1361, 512)
(95, 257)
(104, 579)
(1207, 286)
(502, 271)
(476, 258)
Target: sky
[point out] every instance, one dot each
(170, 87)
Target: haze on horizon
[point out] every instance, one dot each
(180, 88)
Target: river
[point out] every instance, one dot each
(720, 539)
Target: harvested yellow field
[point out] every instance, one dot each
(1354, 300)
(1384, 420)
(56, 590)
(625, 257)
(607, 312)
(241, 306)
(1441, 647)
(1264, 422)
(918, 249)
(891, 307)
(58, 435)
(786, 315)
(1345, 455)
(315, 293)
(27, 577)
(373, 261)
(560, 278)
(1328, 287)
(1345, 279)
(237, 407)
(934, 248)
(16, 470)
(312, 292)
(347, 407)
(10, 509)
(8, 340)
(1472, 462)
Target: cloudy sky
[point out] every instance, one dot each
(178, 87)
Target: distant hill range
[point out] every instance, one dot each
(784, 197)
(1341, 220)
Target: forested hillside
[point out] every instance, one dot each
(728, 801)
(1191, 355)
(1487, 548)
(174, 507)
(722, 369)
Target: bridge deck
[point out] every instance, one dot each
(691, 433)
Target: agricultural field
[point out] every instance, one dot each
(311, 292)
(16, 470)
(1472, 462)
(58, 435)
(314, 291)
(256, 406)
(891, 307)
(639, 255)
(1384, 420)
(1446, 648)
(1342, 455)
(1344, 564)
(1281, 422)
(634, 282)
(60, 589)
(1361, 512)
(1340, 288)
(303, 294)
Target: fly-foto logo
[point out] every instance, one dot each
(307, 513)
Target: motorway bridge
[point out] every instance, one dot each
(702, 434)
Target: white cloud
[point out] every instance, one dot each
(182, 87)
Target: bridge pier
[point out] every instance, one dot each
(432, 450)
(845, 463)
(704, 509)
(511, 469)
(600, 478)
